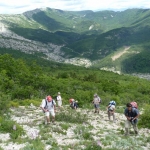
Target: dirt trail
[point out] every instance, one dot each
(120, 53)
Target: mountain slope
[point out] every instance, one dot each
(90, 131)
(82, 37)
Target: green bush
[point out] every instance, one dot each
(13, 104)
(71, 117)
(8, 126)
(4, 103)
(27, 102)
(145, 117)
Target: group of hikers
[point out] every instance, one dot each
(110, 107)
(48, 106)
(131, 112)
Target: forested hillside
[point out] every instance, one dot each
(23, 82)
(20, 81)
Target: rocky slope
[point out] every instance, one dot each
(74, 129)
(49, 51)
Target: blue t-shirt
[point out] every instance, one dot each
(133, 113)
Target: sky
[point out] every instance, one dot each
(20, 6)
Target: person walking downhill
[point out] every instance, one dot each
(49, 107)
(96, 102)
(111, 110)
(132, 115)
(59, 100)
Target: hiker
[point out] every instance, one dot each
(96, 101)
(132, 115)
(111, 110)
(59, 100)
(70, 100)
(49, 107)
(73, 104)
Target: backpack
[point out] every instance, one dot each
(134, 104)
(112, 103)
(100, 101)
(73, 104)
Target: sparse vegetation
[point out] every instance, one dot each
(96, 133)
(9, 126)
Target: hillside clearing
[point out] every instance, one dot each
(118, 55)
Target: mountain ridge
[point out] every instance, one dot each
(81, 35)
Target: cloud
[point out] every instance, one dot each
(20, 6)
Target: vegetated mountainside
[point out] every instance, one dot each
(83, 38)
(23, 85)
(135, 59)
(21, 80)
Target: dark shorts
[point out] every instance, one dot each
(96, 105)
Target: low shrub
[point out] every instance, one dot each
(71, 117)
(65, 126)
(8, 126)
(27, 102)
(83, 132)
(145, 117)
(13, 104)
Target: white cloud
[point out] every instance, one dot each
(20, 6)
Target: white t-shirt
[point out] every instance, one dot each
(96, 100)
(59, 98)
(49, 106)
